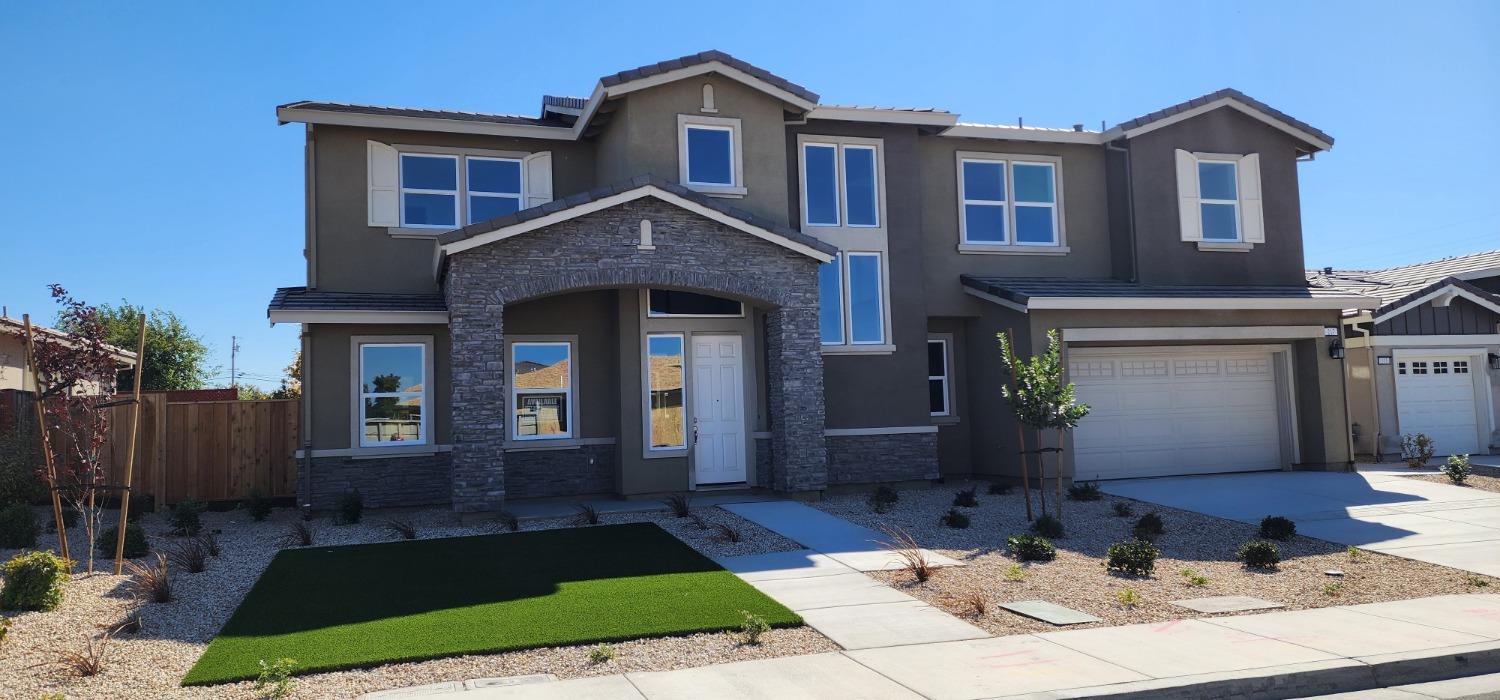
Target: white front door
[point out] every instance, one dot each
(718, 409)
(1435, 396)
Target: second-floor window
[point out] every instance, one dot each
(1008, 201)
(431, 185)
(710, 155)
(1219, 203)
(1219, 200)
(852, 300)
(841, 184)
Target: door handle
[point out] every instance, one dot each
(695, 429)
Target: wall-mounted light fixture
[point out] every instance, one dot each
(1336, 349)
(1494, 361)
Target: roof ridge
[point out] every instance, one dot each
(1449, 258)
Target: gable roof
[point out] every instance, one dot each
(708, 58)
(18, 329)
(1393, 284)
(572, 206)
(1441, 292)
(1229, 97)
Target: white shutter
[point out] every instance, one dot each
(538, 168)
(1187, 197)
(384, 185)
(1252, 221)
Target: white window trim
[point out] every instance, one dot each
(736, 154)
(646, 303)
(646, 425)
(357, 393)
(841, 183)
(1008, 161)
(1239, 236)
(458, 181)
(848, 300)
(461, 196)
(512, 391)
(947, 376)
(469, 194)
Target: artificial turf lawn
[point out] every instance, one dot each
(333, 608)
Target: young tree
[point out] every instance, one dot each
(291, 384)
(1041, 399)
(176, 358)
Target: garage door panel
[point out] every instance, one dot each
(1435, 396)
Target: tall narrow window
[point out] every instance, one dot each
(866, 311)
(541, 390)
(664, 400)
(983, 188)
(429, 191)
(860, 195)
(831, 301)
(822, 183)
(710, 155)
(1218, 202)
(1035, 204)
(392, 394)
(841, 184)
(938, 401)
(494, 187)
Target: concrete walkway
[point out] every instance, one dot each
(1277, 655)
(1377, 508)
(854, 546)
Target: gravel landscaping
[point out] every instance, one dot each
(1483, 478)
(1077, 577)
(153, 662)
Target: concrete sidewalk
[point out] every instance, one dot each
(854, 546)
(1277, 655)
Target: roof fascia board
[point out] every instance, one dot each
(1478, 274)
(1143, 333)
(883, 116)
(1015, 133)
(727, 71)
(1013, 306)
(1434, 295)
(356, 316)
(1200, 303)
(629, 196)
(453, 126)
(1434, 340)
(1258, 115)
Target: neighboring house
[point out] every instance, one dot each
(1427, 360)
(14, 372)
(700, 276)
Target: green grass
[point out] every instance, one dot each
(335, 608)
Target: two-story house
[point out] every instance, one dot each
(700, 276)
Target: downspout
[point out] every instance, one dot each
(310, 173)
(307, 433)
(1348, 418)
(1129, 210)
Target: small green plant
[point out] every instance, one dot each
(351, 507)
(33, 581)
(258, 506)
(955, 519)
(585, 514)
(998, 488)
(1122, 509)
(150, 581)
(19, 527)
(1416, 449)
(1047, 525)
(601, 654)
(1333, 588)
(4, 630)
(1136, 557)
(402, 529)
(1355, 553)
(883, 498)
(275, 679)
(1031, 548)
(136, 544)
(1275, 527)
(187, 518)
(1016, 572)
(508, 520)
(752, 629)
(906, 548)
(1128, 597)
(679, 504)
(1149, 527)
(1260, 554)
(967, 498)
(1457, 469)
(1477, 581)
(1085, 491)
(300, 534)
(1194, 579)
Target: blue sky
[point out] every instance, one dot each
(143, 160)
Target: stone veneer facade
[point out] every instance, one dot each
(864, 459)
(407, 480)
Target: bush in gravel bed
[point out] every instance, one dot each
(1275, 527)
(187, 518)
(300, 535)
(275, 680)
(1047, 526)
(1260, 554)
(998, 489)
(351, 507)
(1085, 491)
(141, 505)
(1122, 509)
(882, 498)
(18, 526)
(136, 545)
(1031, 548)
(70, 518)
(753, 628)
(679, 504)
(20, 458)
(1136, 557)
(601, 654)
(1194, 579)
(955, 519)
(258, 506)
(1457, 469)
(966, 498)
(33, 581)
(1149, 527)
(151, 581)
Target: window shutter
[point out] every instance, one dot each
(1252, 221)
(384, 202)
(538, 178)
(1187, 197)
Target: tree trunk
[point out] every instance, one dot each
(1057, 475)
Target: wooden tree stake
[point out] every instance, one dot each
(135, 427)
(1020, 429)
(41, 421)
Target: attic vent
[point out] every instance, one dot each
(708, 99)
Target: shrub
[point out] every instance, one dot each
(1416, 450)
(1476, 581)
(1457, 469)
(585, 514)
(351, 507)
(1031, 548)
(726, 533)
(956, 519)
(977, 604)
(679, 504)
(1149, 527)
(1122, 509)
(1136, 557)
(966, 498)
(1260, 554)
(299, 535)
(1085, 491)
(882, 498)
(1128, 597)
(275, 680)
(136, 544)
(1016, 572)
(906, 548)
(19, 527)
(1047, 526)
(88, 661)
(20, 458)
(1275, 527)
(401, 528)
(998, 489)
(151, 581)
(508, 520)
(33, 581)
(698, 521)
(752, 629)
(1355, 553)
(141, 505)
(211, 543)
(191, 554)
(258, 506)
(1194, 579)
(601, 654)
(4, 630)
(187, 518)
(1333, 588)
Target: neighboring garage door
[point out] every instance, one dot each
(1435, 396)
(1189, 411)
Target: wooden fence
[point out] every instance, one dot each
(207, 450)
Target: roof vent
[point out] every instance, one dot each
(1078, 127)
(1328, 271)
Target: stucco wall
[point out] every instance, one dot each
(329, 389)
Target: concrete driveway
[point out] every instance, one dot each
(1380, 508)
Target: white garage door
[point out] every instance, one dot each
(1435, 396)
(1194, 411)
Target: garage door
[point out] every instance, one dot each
(1195, 411)
(1435, 395)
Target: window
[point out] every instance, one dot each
(666, 303)
(541, 390)
(429, 191)
(664, 401)
(1419, 368)
(710, 154)
(841, 184)
(494, 187)
(855, 310)
(1007, 201)
(938, 402)
(1460, 367)
(1219, 199)
(392, 394)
